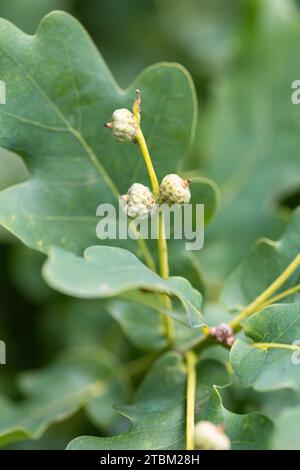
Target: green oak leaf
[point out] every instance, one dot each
(106, 272)
(262, 266)
(269, 361)
(79, 378)
(210, 372)
(142, 326)
(60, 95)
(246, 432)
(158, 413)
(249, 138)
(144, 329)
(270, 404)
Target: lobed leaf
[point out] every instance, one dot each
(268, 361)
(246, 432)
(106, 272)
(60, 96)
(157, 415)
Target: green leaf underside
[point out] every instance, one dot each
(58, 391)
(106, 272)
(262, 266)
(274, 367)
(246, 432)
(60, 95)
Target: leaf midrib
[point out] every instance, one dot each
(68, 128)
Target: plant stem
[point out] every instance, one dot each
(264, 296)
(282, 295)
(162, 247)
(191, 361)
(290, 347)
(140, 139)
(162, 243)
(164, 272)
(260, 302)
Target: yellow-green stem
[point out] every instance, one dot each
(265, 346)
(164, 272)
(281, 296)
(140, 139)
(191, 361)
(264, 299)
(264, 296)
(162, 243)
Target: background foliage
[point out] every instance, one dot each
(242, 56)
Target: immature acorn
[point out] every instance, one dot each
(123, 125)
(139, 201)
(174, 190)
(208, 436)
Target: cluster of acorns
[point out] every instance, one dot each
(139, 200)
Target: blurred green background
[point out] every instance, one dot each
(238, 52)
